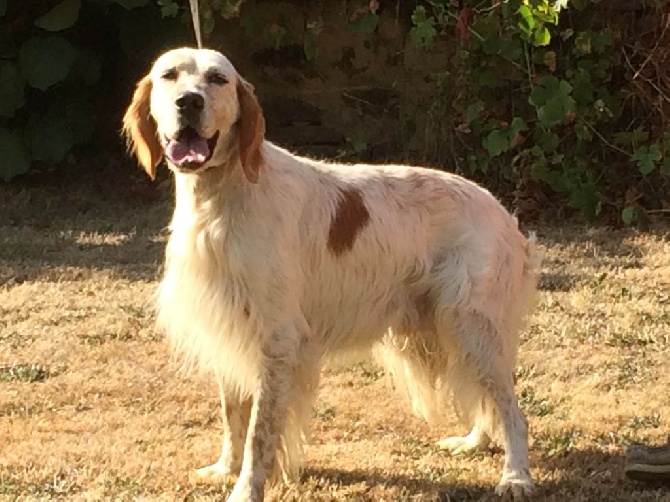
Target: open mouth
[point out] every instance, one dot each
(188, 149)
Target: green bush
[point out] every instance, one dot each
(57, 81)
(564, 98)
(549, 97)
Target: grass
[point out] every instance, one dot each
(91, 408)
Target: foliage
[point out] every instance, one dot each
(51, 73)
(542, 98)
(538, 96)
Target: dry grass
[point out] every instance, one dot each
(92, 409)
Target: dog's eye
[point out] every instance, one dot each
(217, 78)
(170, 74)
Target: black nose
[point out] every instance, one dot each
(190, 102)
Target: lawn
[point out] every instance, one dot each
(93, 408)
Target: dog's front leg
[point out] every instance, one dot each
(268, 415)
(235, 412)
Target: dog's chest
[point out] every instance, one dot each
(200, 269)
(203, 304)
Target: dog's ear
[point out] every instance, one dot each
(140, 130)
(251, 130)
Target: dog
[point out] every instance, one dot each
(276, 263)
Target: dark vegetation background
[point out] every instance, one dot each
(559, 107)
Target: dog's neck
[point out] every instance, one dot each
(212, 194)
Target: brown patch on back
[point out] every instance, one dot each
(350, 218)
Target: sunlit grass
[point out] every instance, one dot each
(91, 408)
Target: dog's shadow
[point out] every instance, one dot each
(578, 475)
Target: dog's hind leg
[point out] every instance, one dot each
(476, 440)
(485, 348)
(235, 414)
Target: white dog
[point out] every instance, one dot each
(276, 261)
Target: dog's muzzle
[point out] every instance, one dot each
(188, 149)
(189, 107)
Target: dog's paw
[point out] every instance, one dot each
(459, 445)
(243, 492)
(515, 487)
(216, 473)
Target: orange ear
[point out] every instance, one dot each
(251, 130)
(140, 130)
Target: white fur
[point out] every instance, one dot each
(436, 285)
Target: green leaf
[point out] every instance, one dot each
(552, 100)
(646, 158)
(496, 142)
(485, 78)
(556, 110)
(169, 8)
(132, 4)
(583, 42)
(518, 125)
(491, 45)
(312, 31)
(602, 41)
(584, 90)
(208, 25)
(473, 110)
(46, 61)
(251, 25)
(540, 94)
(146, 33)
(564, 87)
(541, 37)
(546, 140)
(527, 20)
(51, 139)
(583, 132)
(631, 138)
(62, 16)
(537, 151)
(557, 158)
(423, 32)
(585, 196)
(478, 162)
(87, 68)
(11, 89)
(310, 48)
(364, 24)
(665, 167)
(230, 9)
(628, 215)
(15, 157)
(8, 47)
(549, 60)
(510, 49)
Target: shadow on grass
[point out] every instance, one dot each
(83, 223)
(113, 218)
(601, 246)
(578, 475)
(416, 488)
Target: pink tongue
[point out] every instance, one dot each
(187, 151)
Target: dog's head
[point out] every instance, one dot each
(195, 110)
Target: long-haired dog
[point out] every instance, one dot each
(276, 262)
